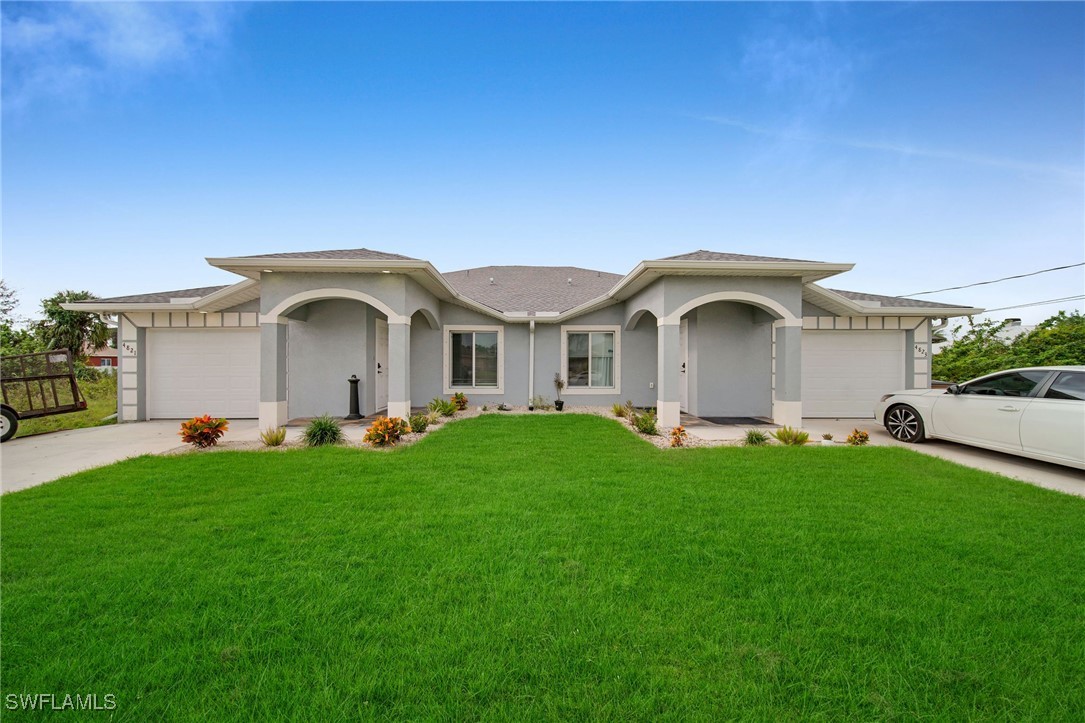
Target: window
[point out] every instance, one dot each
(106, 362)
(590, 359)
(1015, 384)
(1067, 385)
(474, 359)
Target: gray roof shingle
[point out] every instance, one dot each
(896, 301)
(703, 255)
(163, 297)
(532, 288)
(354, 254)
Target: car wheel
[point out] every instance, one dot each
(9, 423)
(904, 423)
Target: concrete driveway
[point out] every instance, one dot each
(1042, 474)
(29, 461)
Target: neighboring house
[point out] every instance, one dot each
(104, 358)
(713, 334)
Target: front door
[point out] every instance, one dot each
(381, 375)
(683, 371)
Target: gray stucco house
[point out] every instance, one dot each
(711, 334)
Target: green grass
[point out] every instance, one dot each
(547, 568)
(101, 399)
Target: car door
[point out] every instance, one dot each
(1054, 422)
(987, 412)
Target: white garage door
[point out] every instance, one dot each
(845, 373)
(193, 372)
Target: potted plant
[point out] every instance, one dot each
(826, 440)
(559, 384)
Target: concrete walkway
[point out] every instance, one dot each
(1042, 474)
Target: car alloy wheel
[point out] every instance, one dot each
(904, 424)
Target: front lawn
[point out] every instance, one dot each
(547, 567)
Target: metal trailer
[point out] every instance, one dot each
(37, 385)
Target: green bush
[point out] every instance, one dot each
(791, 436)
(618, 410)
(444, 407)
(1058, 340)
(756, 438)
(419, 422)
(273, 436)
(644, 422)
(460, 400)
(322, 431)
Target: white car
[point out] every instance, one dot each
(1036, 412)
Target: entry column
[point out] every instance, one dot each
(399, 368)
(668, 405)
(272, 374)
(787, 399)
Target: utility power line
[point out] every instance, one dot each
(1036, 303)
(995, 281)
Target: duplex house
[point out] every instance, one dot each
(707, 333)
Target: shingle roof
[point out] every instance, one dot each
(356, 254)
(532, 288)
(162, 297)
(703, 255)
(896, 301)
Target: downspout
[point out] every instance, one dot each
(531, 361)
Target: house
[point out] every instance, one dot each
(711, 334)
(103, 358)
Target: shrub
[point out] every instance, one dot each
(419, 422)
(433, 417)
(385, 431)
(443, 406)
(618, 410)
(645, 422)
(858, 438)
(540, 402)
(203, 431)
(322, 431)
(460, 400)
(791, 437)
(679, 437)
(756, 438)
(273, 436)
(827, 437)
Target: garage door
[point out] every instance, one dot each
(845, 373)
(193, 372)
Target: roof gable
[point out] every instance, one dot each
(703, 255)
(350, 254)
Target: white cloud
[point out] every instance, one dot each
(904, 149)
(810, 72)
(67, 51)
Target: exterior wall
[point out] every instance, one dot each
(730, 366)
(322, 352)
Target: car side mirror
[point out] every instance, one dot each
(953, 389)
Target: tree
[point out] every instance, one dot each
(74, 330)
(14, 339)
(1059, 340)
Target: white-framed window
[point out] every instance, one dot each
(106, 362)
(591, 359)
(474, 359)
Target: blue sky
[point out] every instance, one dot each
(931, 144)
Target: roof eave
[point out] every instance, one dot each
(853, 308)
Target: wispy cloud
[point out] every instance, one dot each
(903, 149)
(812, 71)
(67, 51)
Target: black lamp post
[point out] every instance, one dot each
(353, 381)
